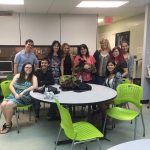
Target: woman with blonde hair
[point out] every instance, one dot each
(101, 56)
(66, 61)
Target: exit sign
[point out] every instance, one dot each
(108, 20)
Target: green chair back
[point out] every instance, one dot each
(66, 121)
(5, 88)
(129, 93)
(125, 80)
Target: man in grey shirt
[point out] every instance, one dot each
(25, 55)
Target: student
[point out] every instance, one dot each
(66, 61)
(84, 64)
(25, 55)
(21, 85)
(44, 77)
(113, 78)
(101, 56)
(128, 58)
(54, 65)
(55, 60)
(121, 65)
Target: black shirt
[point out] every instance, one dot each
(121, 66)
(44, 78)
(67, 65)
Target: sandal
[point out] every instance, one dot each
(6, 128)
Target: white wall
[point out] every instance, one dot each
(79, 29)
(136, 27)
(43, 29)
(9, 30)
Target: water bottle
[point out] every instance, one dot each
(80, 78)
(46, 96)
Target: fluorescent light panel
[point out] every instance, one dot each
(101, 4)
(12, 2)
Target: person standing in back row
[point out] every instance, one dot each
(129, 58)
(25, 55)
(101, 56)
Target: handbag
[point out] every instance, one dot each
(53, 89)
(79, 86)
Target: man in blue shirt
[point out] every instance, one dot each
(25, 55)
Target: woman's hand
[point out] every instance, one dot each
(62, 78)
(21, 94)
(17, 96)
(87, 66)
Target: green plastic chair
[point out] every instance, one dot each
(79, 132)
(127, 93)
(6, 92)
(125, 80)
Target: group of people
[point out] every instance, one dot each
(106, 67)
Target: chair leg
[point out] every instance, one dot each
(30, 114)
(143, 123)
(72, 145)
(16, 114)
(99, 145)
(0, 114)
(104, 124)
(58, 137)
(135, 128)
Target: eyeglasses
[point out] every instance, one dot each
(28, 67)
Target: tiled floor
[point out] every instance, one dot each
(41, 135)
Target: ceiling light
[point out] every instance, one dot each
(12, 2)
(101, 4)
(100, 20)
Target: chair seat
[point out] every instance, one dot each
(86, 131)
(122, 113)
(24, 107)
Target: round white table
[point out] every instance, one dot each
(96, 95)
(142, 144)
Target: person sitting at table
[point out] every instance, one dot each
(45, 77)
(113, 78)
(21, 85)
(84, 64)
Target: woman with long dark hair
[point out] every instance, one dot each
(113, 78)
(55, 60)
(128, 58)
(84, 64)
(121, 65)
(20, 87)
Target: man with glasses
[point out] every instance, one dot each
(25, 55)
